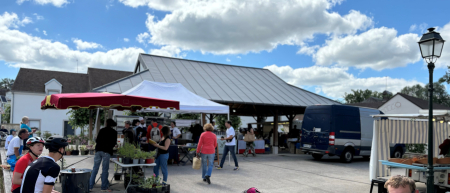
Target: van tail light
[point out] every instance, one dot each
(410, 173)
(332, 137)
(448, 179)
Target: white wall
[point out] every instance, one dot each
(399, 105)
(29, 104)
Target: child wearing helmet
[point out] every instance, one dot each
(41, 174)
(36, 145)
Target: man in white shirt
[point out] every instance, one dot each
(176, 133)
(15, 148)
(9, 138)
(229, 146)
(143, 125)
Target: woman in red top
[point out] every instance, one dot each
(36, 145)
(207, 147)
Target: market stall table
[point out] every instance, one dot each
(187, 154)
(129, 166)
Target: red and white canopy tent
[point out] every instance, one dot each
(107, 101)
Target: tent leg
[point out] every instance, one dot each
(96, 122)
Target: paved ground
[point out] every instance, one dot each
(269, 173)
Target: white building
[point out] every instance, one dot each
(31, 86)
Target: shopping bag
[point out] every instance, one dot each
(197, 163)
(249, 137)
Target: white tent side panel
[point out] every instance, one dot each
(388, 132)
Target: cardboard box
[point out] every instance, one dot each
(292, 149)
(299, 151)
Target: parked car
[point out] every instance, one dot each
(341, 130)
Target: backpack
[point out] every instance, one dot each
(155, 135)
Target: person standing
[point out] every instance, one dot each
(142, 134)
(15, 148)
(249, 145)
(9, 138)
(106, 140)
(128, 133)
(196, 132)
(142, 123)
(23, 125)
(4, 130)
(207, 145)
(229, 146)
(176, 133)
(41, 174)
(36, 145)
(163, 154)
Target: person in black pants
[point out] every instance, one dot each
(196, 131)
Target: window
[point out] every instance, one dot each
(34, 123)
(50, 92)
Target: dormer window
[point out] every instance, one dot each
(53, 87)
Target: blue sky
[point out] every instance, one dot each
(340, 51)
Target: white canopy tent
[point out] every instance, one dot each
(189, 102)
(407, 132)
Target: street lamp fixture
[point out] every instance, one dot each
(430, 45)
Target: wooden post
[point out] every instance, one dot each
(203, 119)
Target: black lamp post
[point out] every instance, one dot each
(431, 45)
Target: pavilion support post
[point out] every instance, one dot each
(275, 133)
(203, 119)
(291, 120)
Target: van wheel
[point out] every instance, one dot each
(347, 156)
(317, 156)
(398, 153)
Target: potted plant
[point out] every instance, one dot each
(127, 153)
(142, 157)
(150, 157)
(75, 151)
(136, 157)
(68, 151)
(83, 150)
(117, 176)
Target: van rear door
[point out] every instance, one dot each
(316, 129)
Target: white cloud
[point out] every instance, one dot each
(169, 51)
(378, 48)
(11, 20)
(412, 28)
(36, 29)
(335, 81)
(43, 31)
(228, 60)
(444, 61)
(236, 27)
(57, 3)
(82, 45)
(143, 38)
(38, 17)
(238, 57)
(126, 39)
(20, 49)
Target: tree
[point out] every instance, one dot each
(7, 115)
(141, 114)
(80, 118)
(358, 95)
(440, 95)
(6, 83)
(235, 122)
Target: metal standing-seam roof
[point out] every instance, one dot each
(218, 82)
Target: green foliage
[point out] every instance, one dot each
(188, 116)
(358, 95)
(149, 183)
(80, 118)
(47, 134)
(127, 150)
(440, 95)
(6, 83)
(415, 148)
(7, 115)
(235, 121)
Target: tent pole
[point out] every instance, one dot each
(96, 121)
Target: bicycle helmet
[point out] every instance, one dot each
(33, 140)
(55, 142)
